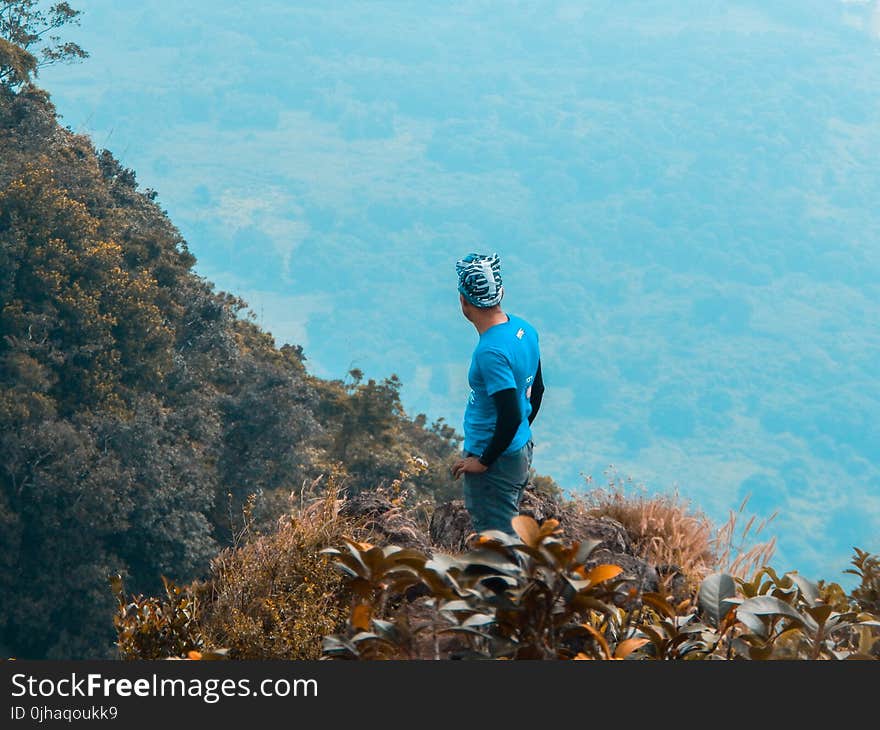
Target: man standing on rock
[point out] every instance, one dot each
(506, 390)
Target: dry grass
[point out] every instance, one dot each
(275, 596)
(665, 530)
(737, 552)
(272, 594)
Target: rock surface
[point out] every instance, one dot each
(637, 573)
(451, 524)
(389, 522)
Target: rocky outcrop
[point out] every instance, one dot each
(539, 506)
(637, 573)
(451, 524)
(391, 525)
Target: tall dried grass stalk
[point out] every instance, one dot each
(734, 554)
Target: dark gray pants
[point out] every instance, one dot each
(492, 498)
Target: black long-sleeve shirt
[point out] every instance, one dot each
(509, 417)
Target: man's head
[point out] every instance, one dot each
(479, 281)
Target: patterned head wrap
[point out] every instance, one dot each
(479, 279)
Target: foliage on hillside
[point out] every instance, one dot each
(28, 39)
(271, 596)
(535, 596)
(539, 595)
(139, 410)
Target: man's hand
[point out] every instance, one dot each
(471, 465)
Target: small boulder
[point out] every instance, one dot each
(539, 506)
(389, 522)
(450, 525)
(637, 573)
(575, 522)
(611, 534)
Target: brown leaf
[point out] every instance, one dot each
(527, 529)
(603, 572)
(627, 647)
(600, 639)
(549, 527)
(360, 616)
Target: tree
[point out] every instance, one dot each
(28, 42)
(139, 412)
(16, 64)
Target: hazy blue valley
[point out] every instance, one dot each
(684, 196)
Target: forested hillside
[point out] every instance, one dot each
(138, 409)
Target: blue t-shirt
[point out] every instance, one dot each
(505, 357)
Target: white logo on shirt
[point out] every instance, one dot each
(520, 332)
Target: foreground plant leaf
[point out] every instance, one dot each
(715, 592)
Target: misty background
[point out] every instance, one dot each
(683, 194)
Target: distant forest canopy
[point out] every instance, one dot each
(698, 177)
(138, 410)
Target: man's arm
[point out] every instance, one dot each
(506, 424)
(537, 393)
(509, 417)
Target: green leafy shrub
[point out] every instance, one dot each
(867, 568)
(154, 628)
(787, 617)
(531, 598)
(539, 597)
